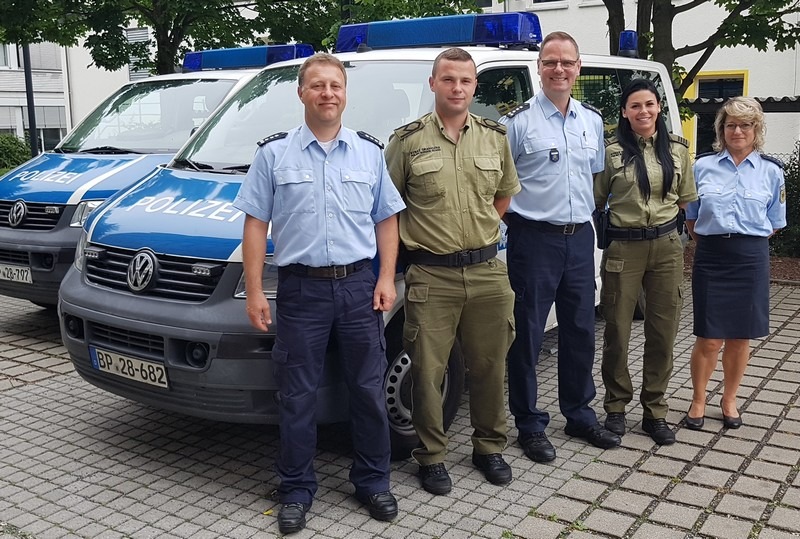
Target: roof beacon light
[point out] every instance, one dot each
(629, 44)
(506, 29)
(244, 57)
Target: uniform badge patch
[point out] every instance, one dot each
(554, 156)
(783, 195)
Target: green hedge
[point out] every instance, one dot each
(787, 241)
(13, 151)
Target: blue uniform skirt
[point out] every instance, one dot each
(730, 287)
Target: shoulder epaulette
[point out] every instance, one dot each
(367, 136)
(405, 130)
(772, 159)
(491, 124)
(513, 112)
(273, 138)
(610, 141)
(705, 154)
(592, 108)
(680, 140)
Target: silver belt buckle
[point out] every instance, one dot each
(569, 229)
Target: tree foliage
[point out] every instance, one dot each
(13, 151)
(752, 23)
(181, 25)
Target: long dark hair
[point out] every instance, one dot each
(632, 153)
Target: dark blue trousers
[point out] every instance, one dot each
(309, 310)
(546, 267)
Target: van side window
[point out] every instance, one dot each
(602, 86)
(501, 90)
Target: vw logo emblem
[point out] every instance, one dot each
(141, 270)
(17, 213)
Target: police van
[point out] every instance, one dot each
(44, 202)
(154, 307)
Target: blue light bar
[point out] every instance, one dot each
(497, 29)
(244, 57)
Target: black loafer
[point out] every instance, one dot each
(292, 517)
(732, 422)
(494, 468)
(615, 422)
(594, 434)
(659, 431)
(381, 505)
(693, 423)
(435, 478)
(537, 447)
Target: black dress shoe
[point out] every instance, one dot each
(435, 478)
(292, 517)
(659, 431)
(615, 422)
(594, 434)
(537, 447)
(732, 422)
(381, 505)
(494, 468)
(693, 423)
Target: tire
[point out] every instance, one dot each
(397, 390)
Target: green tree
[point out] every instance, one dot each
(752, 23)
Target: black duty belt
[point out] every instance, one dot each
(543, 226)
(729, 235)
(638, 234)
(328, 272)
(453, 260)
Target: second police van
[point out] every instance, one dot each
(45, 201)
(153, 309)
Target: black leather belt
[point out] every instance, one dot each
(544, 226)
(453, 260)
(327, 272)
(729, 235)
(638, 234)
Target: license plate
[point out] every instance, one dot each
(129, 367)
(17, 274)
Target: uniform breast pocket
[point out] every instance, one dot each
(294, 191)
(488, 172)
(589, 142)
(754, 206)
(545, 156)
(427, 180)
(357, 190)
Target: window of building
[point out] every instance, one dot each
(51, 125)
(4, 56)
(711, 88)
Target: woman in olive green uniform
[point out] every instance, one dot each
(647, 179)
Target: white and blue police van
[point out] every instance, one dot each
(154, 307)
(45, 201)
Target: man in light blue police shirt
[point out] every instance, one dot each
(557, 144)
(330, 200)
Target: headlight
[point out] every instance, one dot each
(79, 256)
(269, 281)
(82, 212)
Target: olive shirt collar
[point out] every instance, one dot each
(440, 125)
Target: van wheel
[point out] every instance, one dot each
(397, 390)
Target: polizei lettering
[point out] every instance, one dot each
(54, 176)
(206, 209)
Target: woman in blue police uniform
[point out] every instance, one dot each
(647, 179)
(742, 203)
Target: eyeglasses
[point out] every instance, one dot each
(745, 127)
(566, 64)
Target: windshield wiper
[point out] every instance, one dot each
(108, 149)
(188, 163)
(238, 168)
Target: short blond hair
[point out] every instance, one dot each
(744, 109)
(320, 58)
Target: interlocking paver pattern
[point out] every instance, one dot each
(76, 462)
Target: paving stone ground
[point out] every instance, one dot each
(78, 462)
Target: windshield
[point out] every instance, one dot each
(381, 96)
(148, 116)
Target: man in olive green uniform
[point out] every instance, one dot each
(456, 175)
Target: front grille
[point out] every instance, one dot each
(130, 341)
(173, 279)
(36, 218)
(20, 258)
